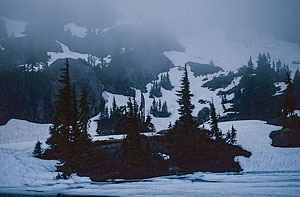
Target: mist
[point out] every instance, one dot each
(190, 17)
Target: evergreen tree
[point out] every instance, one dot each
(215, 131)
(61, 129)
(133, 143)
(289, 101)
(164, 110)
(155, 90)
(296, 82)
(75, 130)
(231, 136)
(83, 118)
(165, 81)
(37, 152)
(185, 106)
(114, 105)
(149, 124)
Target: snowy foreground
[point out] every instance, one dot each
(269, 171)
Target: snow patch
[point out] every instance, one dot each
(67, 53)
(76, 31)
(282, 86)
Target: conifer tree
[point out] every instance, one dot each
(185, 106)
(114, 105)
(75, 129)
(149, 124)
(289, 101)
(296, 82)
(83, 118)
(61, 129)
(37, 152)
(231, 136)
(132, 143)
(165, 81)
(215, 131)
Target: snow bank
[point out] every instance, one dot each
(22, 131)
(253, 135)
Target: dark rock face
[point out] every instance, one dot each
(203, 115)
(203, 69)
(31, 95)
(285, 138)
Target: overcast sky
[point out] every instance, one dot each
(190, 16)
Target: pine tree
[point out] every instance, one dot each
(61, 129)
(231, 136)
(164, 110)
(75, 128)
(215, 131)
(289, 101)
(133, 143)
(83, 118)
(296, 82)
(165, 81)
(185, 106)
(114, 105)
(37, 149)
(155, 90)
(149, 124)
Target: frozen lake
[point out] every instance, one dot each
(197, 184)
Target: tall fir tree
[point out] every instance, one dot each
(214, 129)
(61, 128)
(133, 143)
(296, 82)
(83, 118)
(185, 106)
(289, 101)
(37, 152)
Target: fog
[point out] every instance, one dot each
(183, 17)
(189, 17)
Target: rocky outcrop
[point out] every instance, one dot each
(285, 138)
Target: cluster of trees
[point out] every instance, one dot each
(69, 131)
(189, 147)
(254, 96)
(158, 109)
(196, 147)
(155, 90)
(165, 82)
(114, 120)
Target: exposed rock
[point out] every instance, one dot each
(285, 138)
(203, 115)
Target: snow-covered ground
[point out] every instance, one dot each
(14, 28)
(269, 171)
(232, 50)
(171, 98)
